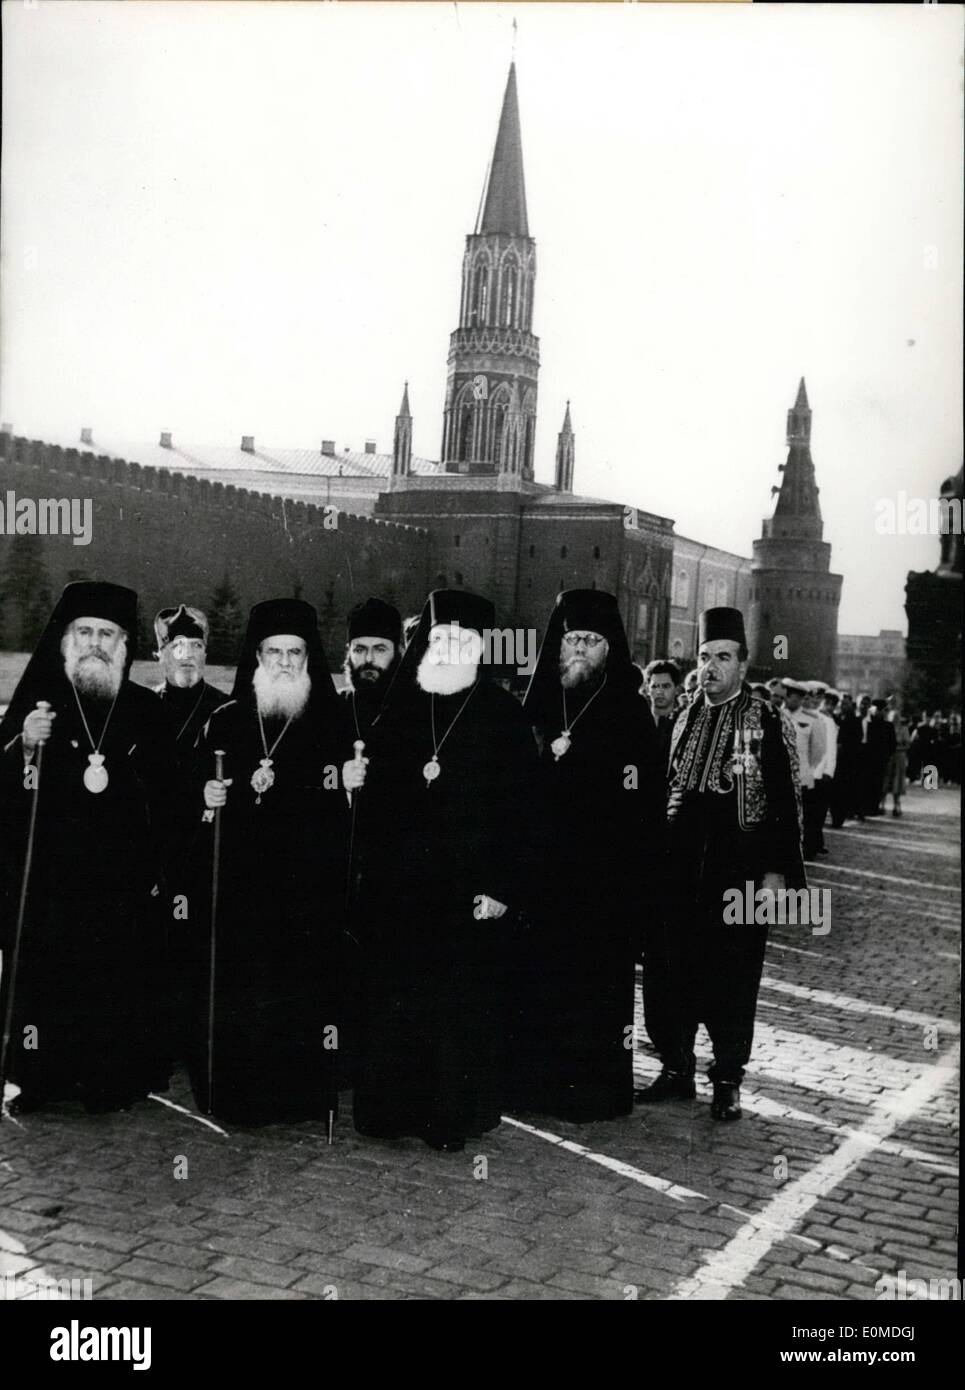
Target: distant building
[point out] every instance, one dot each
(703, 577)
(492, 527)
(477, 518)
(870, 665)
(794, 595)
(933, 602)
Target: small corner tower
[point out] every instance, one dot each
(402, 441)
(565, 454)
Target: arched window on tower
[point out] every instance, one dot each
(710, 593)
(528, 443)
(721, 593)
(510, 283)
(479, 312)
(682, 595)
(466, 418)
(498, 427)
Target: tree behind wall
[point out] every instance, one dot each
(225, 624)
(25, 600)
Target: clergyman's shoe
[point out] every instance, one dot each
(726, 1104)
(669, 1085)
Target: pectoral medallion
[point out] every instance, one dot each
(561, 745)
(431, 770)
(262, 778)
(95, 774)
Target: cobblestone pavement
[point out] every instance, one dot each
(843, 1169)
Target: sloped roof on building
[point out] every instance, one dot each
(215, 458)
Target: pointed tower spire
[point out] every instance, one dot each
(502, 207)
(798, 493)
(402, 442)
(794, 595)
(489, 423)
(565, 454)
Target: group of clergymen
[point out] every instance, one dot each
(424, 888)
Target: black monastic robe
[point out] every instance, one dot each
(279, 916)
(433, 975)
(599, 815)
(90, 971)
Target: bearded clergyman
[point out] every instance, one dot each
(181, 634)
(599, 813)
(372, 656)
(270, 1040)
(438, 867)
(187, 702)
(91, 753)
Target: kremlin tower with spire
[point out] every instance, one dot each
(793, 620)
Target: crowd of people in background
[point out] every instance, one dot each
(856, 754)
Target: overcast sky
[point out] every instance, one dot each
(246, 218)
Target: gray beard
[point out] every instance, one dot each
(279, 695)
(94, 676)
(184, 680)
(574, 673)
(444, 679)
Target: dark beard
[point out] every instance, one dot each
(366, 689)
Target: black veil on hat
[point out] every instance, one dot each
(580, 610)
(375, 618)
(44, 677)
(270, 619)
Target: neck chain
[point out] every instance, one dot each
(561, 745)
(95, 774)
(432, 769)
(263, 777)
(197, 706)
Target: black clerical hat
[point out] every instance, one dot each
(273, 618)
(581, 610)
(458, 606)
(44, 677)
(375, 618)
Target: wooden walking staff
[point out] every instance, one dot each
(213, 942)
(359, 748)
(44, 707)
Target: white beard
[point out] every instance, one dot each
(280, 694)
(441, 678)
(96, 676)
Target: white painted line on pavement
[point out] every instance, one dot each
(798, 951)
(948, 913)
(775, 1110)
(756, 1104)
(892, 878)
(616, 1165)
(727, 1268)
(860, 1006)
(17, 1265)
(942, 851)
(190, 1114)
